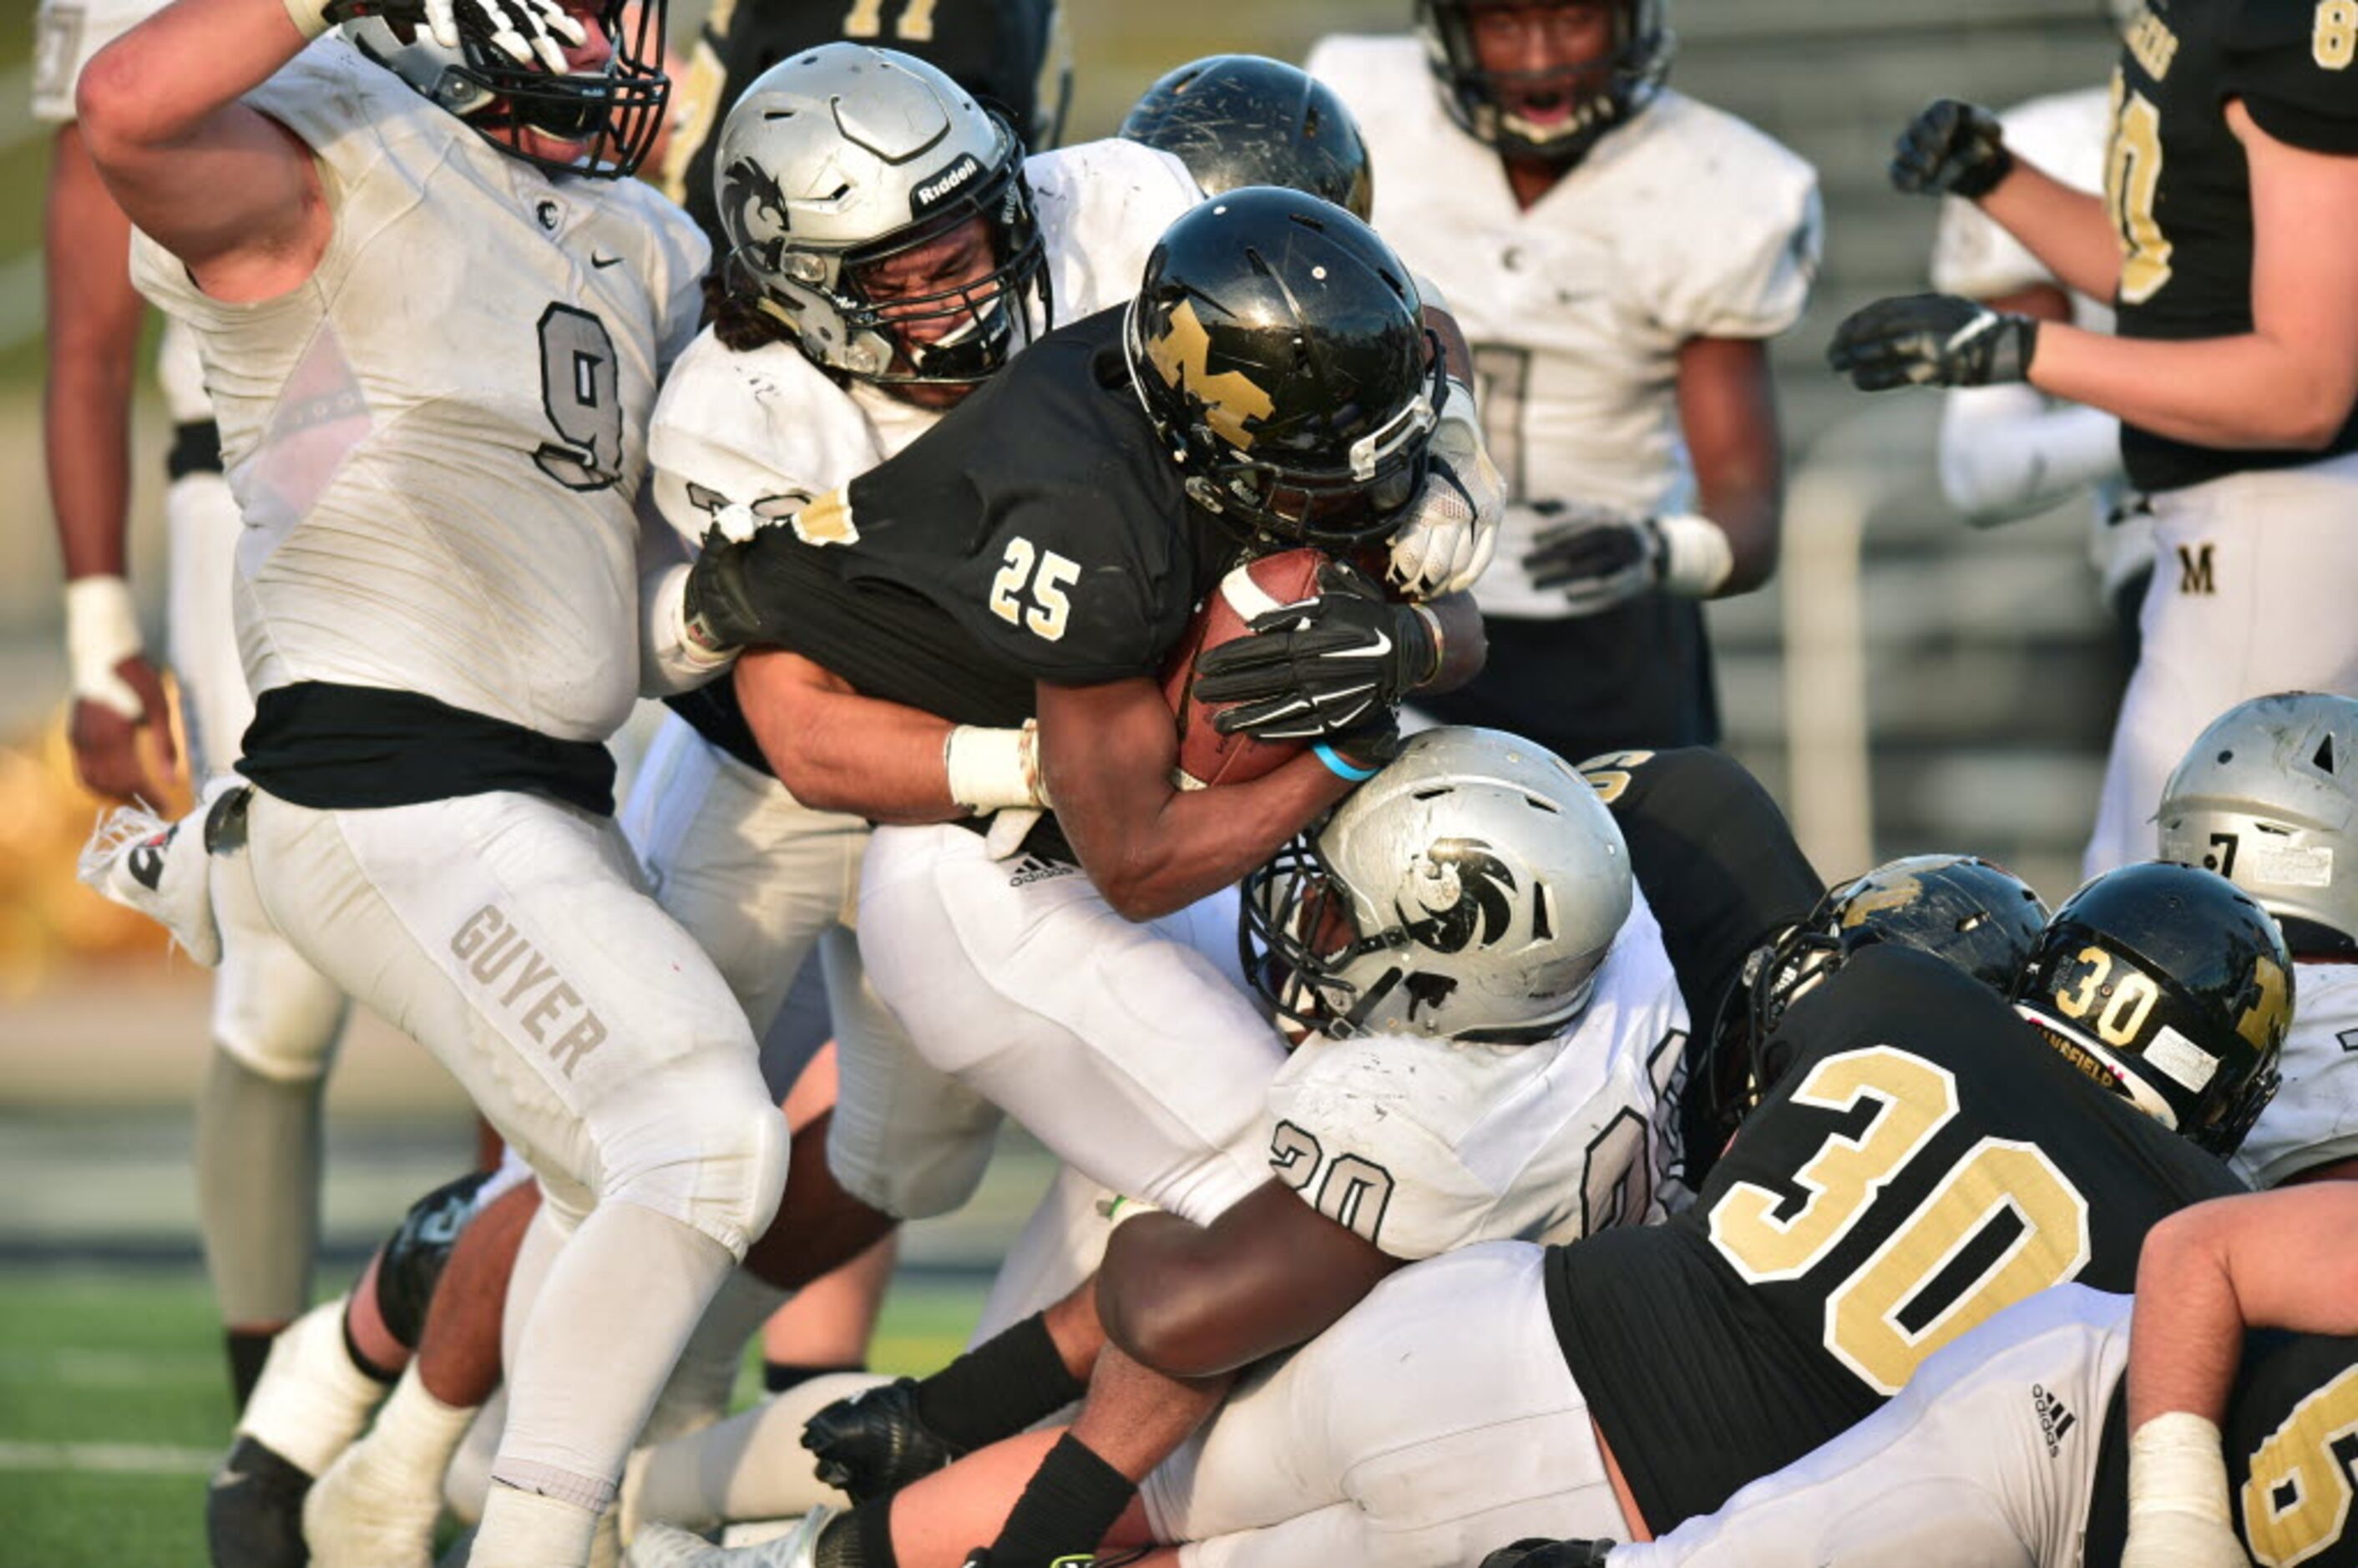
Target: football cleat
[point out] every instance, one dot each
(254, 1509)
(667, 1546)
(1537, 1552)
(159, 868)
(874, 1442)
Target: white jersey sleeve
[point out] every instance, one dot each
(1683, 223)
(2064, 135)
(438, 439)
(66, 35)
(1424, 1145)
(2313, 1121)
(1102, 207)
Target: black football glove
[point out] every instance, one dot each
(1951, 148)
(1599, 557)
(1537, 1552)
(1321, 668)
(1931, 339)
(719, 605)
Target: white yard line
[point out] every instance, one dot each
(114, 1458)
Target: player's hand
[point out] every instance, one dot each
(1599, 555)
(1932, 339)
(1321, 667)
(718, 607)
(107, 753)
(529, 32)
(1540, 1552)
(1448, 534)
(1954, 149)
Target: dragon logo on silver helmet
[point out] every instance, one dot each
(838, 165)
(1471, 890)
(2267, 796)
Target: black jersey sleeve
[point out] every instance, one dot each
(1715, 857)
(2295, 65)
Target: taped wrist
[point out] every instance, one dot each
(311, 17)
(993, 770)
(999, 1388)
(1696, 556)
(101, 630)
(2176, 1466)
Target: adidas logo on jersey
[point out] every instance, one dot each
(1033, 868)
(2054, 1420)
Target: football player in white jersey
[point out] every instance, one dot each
(2267, 796)
(274, 1019)
(1617, 254)
(1489, 1026)
(433, 319)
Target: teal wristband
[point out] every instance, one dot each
(1338, 767)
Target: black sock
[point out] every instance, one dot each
(352, 1349)
(777, 1377)
(248, 1349)
(860, 1539)
(1065, 1509)
(999, 1388)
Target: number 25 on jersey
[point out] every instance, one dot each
(1040, 575)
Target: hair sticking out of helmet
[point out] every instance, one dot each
(2172, 987)
(1471, 890)
(1974, 913)
(1278, 348)
(882, 218)
(599, 119)
(1510, 77)
(2267, 796)
(1240, 119)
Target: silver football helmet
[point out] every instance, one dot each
(2267, 796)
(613, 112)
(1470, 890)
(843, 157)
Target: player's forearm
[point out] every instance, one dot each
(2005, 452)
(1728, 413)
(2066, 229)
(1465, 645)
(1154, 862)
(2188, 1330)
(837, 751)
(2245, 392)
(91, 341)
(1136, 1417)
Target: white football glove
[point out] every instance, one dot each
(524, 30)
(1451, 530)
(2178, 1510)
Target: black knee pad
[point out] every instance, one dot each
(413, 1258)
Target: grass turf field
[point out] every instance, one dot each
(113, 1404)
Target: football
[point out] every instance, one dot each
(1207, 757)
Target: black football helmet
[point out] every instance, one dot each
(1278, 348)
(2172, 986)
(1605, 92)
(1242, 119)
(1977, 915)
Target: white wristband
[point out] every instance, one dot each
(101, 630)
(1697, 558)
(2176, 1466)
(992, 770)
(309, 16)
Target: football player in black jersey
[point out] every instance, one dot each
(2068, 1430)
(1927, 1158)
(2227, 240)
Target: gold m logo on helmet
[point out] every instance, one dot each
(1229, 398)
(1899, 895)
(2263, 1023)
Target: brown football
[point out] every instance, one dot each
(1207, 757)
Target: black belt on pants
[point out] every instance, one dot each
(338, 747)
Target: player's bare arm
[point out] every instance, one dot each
(92, 336)
(839, 750)
(1727, 409)
(2290, 381)
(1190, 1301)
(231, 193)
(1107, 751)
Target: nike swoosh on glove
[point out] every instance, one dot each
(1932, 339)
(1321, 667)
